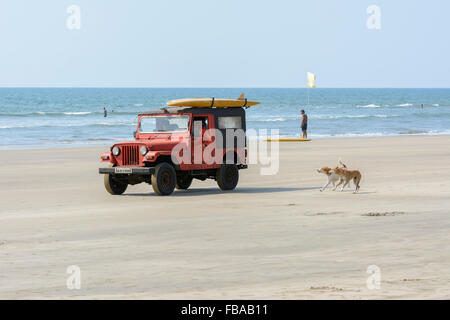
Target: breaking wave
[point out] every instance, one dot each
(369, 106)
(77, 113)
(405, 105)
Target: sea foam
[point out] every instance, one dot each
(77, 113)
(369, 106)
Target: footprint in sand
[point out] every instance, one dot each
(326, 288)
(404, 280)
(383, 214)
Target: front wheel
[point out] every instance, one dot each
(164, 179)
(227, 176)
(113, 186)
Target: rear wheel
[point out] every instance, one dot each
(183, 182)
(227, 176)
(114, 186)
(164, 179)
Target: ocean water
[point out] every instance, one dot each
(49, 117)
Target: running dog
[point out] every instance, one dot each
(332, 176)
(346, 176)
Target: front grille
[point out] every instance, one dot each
(130, 155)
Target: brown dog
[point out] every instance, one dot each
(332, 177)
(347, 176)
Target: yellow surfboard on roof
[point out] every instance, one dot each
(212, 102)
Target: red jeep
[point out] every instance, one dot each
(174, 145)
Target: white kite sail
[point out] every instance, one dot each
(311, 78)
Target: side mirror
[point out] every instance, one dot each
(134, 134)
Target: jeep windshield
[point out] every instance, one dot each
(169, 123)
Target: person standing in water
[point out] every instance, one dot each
(105, 113)
(304, 124)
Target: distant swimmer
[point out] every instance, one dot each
(304, 124)
(105, 113)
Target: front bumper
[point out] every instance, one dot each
(127, 170)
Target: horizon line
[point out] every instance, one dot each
(199, 87)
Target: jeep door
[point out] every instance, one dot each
(201, 139)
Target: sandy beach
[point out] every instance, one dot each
(274, 237)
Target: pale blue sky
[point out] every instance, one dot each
(227, 43)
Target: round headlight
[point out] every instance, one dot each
(144, 150)
(116, 151)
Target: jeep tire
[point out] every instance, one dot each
(227, 176)
(164, 179)
(114, 186)
(183, 182)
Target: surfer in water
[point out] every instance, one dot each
(304, 124)
(105, 113)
